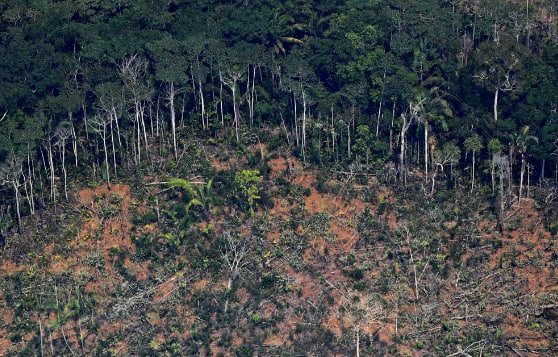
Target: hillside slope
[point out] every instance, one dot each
(330, 263)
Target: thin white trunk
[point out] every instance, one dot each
(144, 128)
(15, 184)
(496, 104)
(41, 336)
(404, 128)
(113, 147)
(473, 173)
(221, 98)
(357, 333)
(157, 117)
(31, 193)
(378, 117)
(205, 121)
(74, 143)
(63, 148)
(332, 131)
(521, 175)
(304, 125)
(248, 94)
(51, 169)
(349, 140)
(425, 150)
(253, 95)
(235, 109)
(107, 165)
(170, 98)
(295, 121)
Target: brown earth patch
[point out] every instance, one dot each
(9, 267)
(334, 325)
(5, 343)
(243, 296)
(274, 341)
(278, 166)
(200, 284)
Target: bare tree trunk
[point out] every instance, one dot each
(221, 97)
(31, 192)
(492, 173)
(501, 203)
(157, 117)
(496, 104)
(74, 143)
(182, 110)
(391, 129)
(402, 150)
(521, 175)
(118, 136)
(236, 114)
(295, 121)
(144, 128)
(138, 135)
(205, 121)
(402, 157)
(41, 336)
(332, 132)
(253, 95)
(529, 171)
(357, 333)
(349, 140)
(113, 146)
(473, 174)
(170, 98)
(15, 184)
(84, 108)
(63, 149)
(304, 108)
(51, 166)
(248, 95)
(510, 171)
(378, 117)
(107, 165)
(425, 150)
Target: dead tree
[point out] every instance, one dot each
(361, 311)
(62, 133)
(231, 79)
(99, 125)
(234, 253)
(132, 70)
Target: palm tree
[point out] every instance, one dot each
(432, 106)
(285, 29)
(200, 193)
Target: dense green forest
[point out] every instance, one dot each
(422, 126)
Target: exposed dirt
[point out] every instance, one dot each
(314, 281)
(278, 167)
(5, 344)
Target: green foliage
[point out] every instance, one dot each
(495, 146)
(473, 143)
(246, 181)
(197, 194)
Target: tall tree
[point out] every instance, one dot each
(473, 144)
(500, 67)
